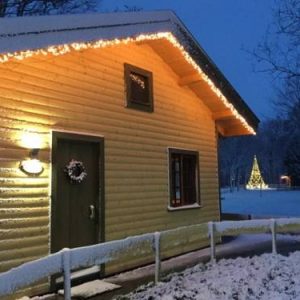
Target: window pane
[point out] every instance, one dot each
(183, 178)
(189, 179)
(176, 180)
(139, 89)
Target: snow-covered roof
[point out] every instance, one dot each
(30, 33)
(17, 34)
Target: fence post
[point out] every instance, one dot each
(66, 262)
(211, 234)
(157, 256)
(273, 231)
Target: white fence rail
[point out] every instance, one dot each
(67, 260)
(71, 259)
(233, 228)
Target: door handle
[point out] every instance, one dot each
(92, 212)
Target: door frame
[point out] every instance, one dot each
(56, 135)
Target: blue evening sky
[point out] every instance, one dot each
(224, 28)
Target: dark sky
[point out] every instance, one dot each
(224, 28)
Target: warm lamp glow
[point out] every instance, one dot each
(31, 166)
(31, 140)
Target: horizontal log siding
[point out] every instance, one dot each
(84, 92)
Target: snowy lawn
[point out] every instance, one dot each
(268, 203)
(271, 277)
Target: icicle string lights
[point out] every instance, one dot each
(66, 48)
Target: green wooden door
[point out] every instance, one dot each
(77, 207)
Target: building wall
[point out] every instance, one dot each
(84, 92)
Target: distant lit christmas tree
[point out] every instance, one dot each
(256, 181)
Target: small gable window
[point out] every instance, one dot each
(184, 178)
(139, 88)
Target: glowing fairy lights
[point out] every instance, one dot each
(66, 48)
(170, 37)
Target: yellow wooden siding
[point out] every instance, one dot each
(84, 92)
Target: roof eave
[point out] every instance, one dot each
(131, 27)
(214, 73)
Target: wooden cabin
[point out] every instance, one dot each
(109, 126)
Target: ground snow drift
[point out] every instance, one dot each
(268, 276)
(266, 203)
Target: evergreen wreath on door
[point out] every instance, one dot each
(75, 170)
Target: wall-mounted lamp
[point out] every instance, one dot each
(31, 140)
(32, 166)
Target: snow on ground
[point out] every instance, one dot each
(266, 203)
(265, 277)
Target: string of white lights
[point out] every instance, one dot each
(66, 48)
